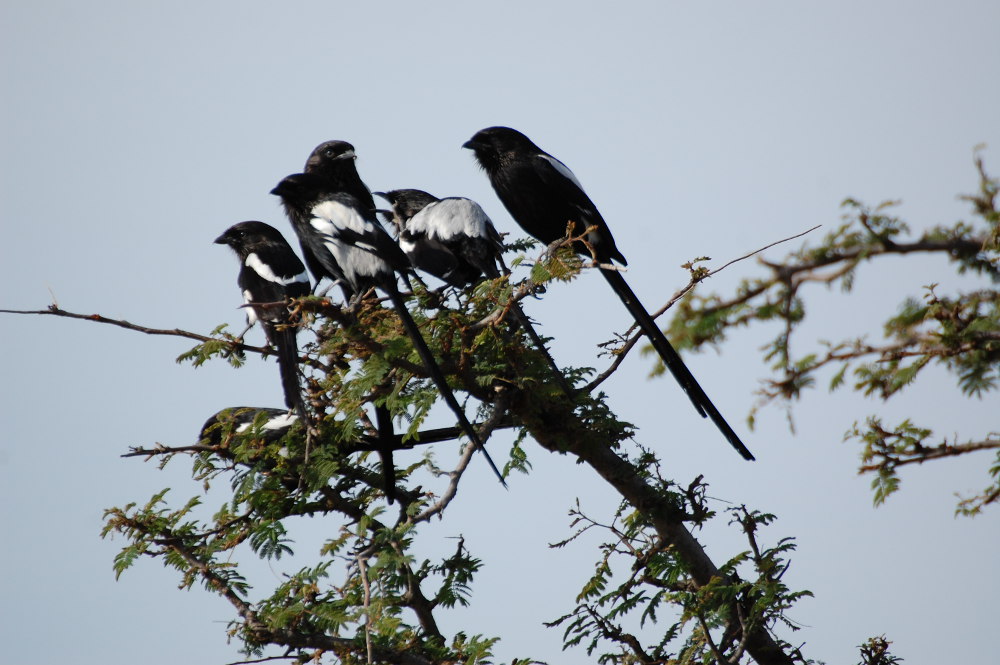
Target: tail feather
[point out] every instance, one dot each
(288, 365)
(673, 361)
(521, 319)
(437, 376)
(386, 439)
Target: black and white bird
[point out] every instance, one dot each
(274, 425)
(332, 164)
(270, 273)
(451, 238)
(454, 240)
(351, 236)
(544, 198)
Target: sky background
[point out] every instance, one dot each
(134, 133)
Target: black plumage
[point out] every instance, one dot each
(544, 198)
(334, 162)
(270, 273)
(350, 235)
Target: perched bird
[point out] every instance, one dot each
(351, 236)
(275, 426)
(278, 422)
(544, 198)
(270, 273)
(451, 238)
(454, 240)
(332, 165)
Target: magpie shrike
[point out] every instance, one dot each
(269, 274)
(277, 424)
(450, 238)
(454, 240)
(350, 235)
(332, 163)
(544, 197)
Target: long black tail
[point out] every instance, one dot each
(673, 361)
(288, 365)
(386, 439)
(522, 320)
(435, 371)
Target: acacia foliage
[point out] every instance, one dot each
(365, 596)
(958, 330)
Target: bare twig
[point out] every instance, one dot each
(363, 570)
(262, 660)
(174, 332)
(632, 337)
(485, 430)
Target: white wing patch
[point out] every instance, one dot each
(451, 217)
(251, 313)
(275, 423)
(562, 169)
(356, 261)
(331, 216)
(254, 263)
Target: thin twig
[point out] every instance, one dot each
(496, 419)
(632, 338)
(777, 242)
(54, 310)
(262, 660)
(363, 569)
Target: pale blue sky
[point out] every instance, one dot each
(134, 133)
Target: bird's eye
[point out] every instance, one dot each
(330, 152)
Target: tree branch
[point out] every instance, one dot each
(174, 332)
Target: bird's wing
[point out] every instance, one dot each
(339, 225)
(564, 186)
(451, 217)
(429, 254)
(276, 264)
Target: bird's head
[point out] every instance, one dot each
(330, 154)
(493, 145)
(243, 237)
(407, 202)
(299, 190)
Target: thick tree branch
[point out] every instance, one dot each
(559, 430)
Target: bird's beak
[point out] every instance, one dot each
(387, 213)
(470, 144)
(222, 240)
(381, 195)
